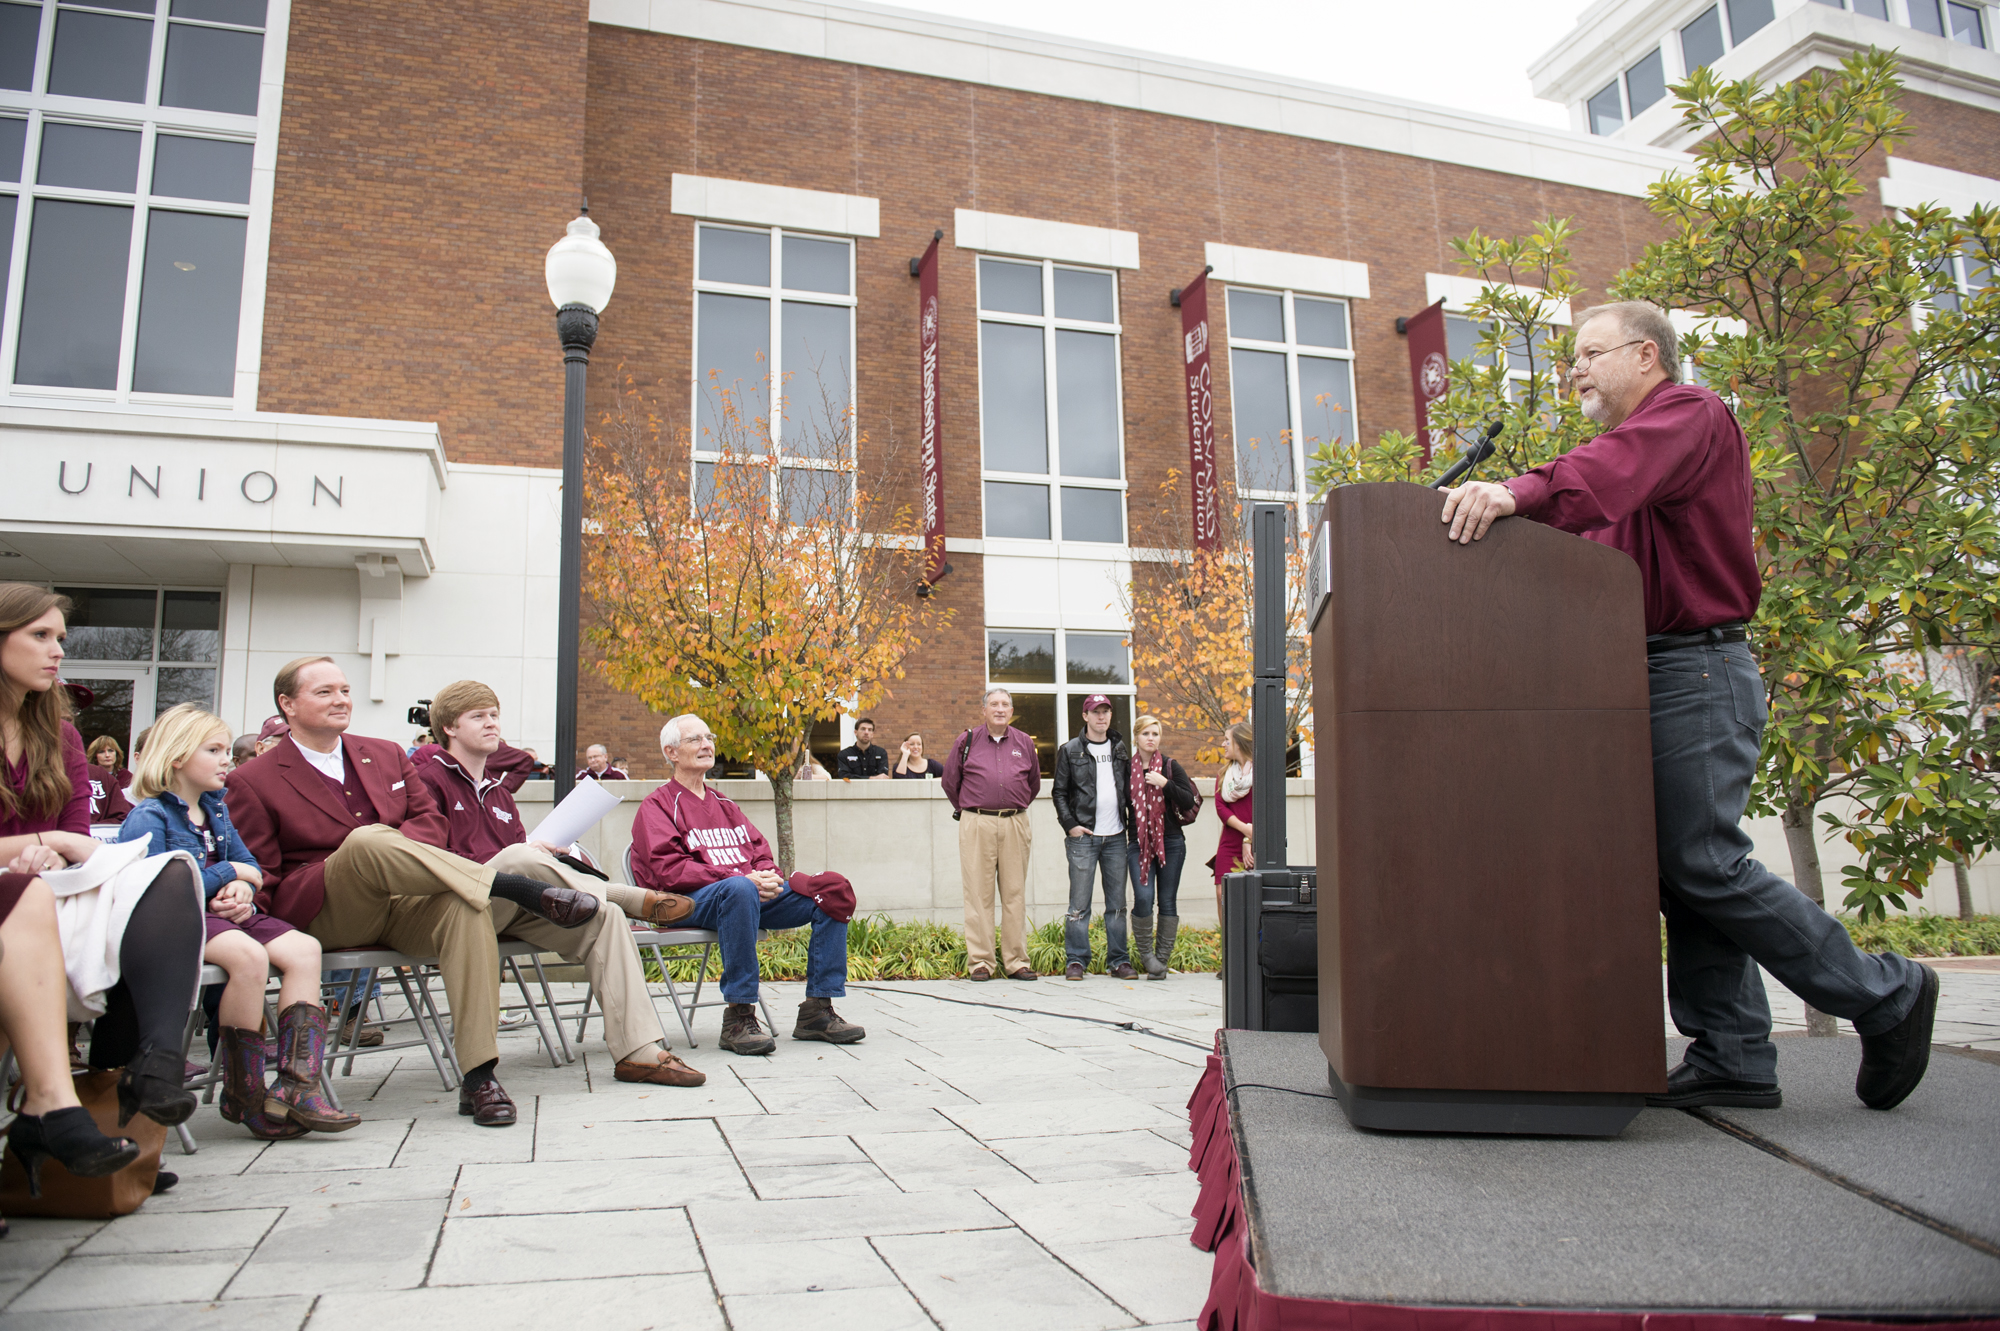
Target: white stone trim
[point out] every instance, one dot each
(969, 52)
(1034, 238)
(720, 200)
(1309, 273)
(1911, 183)
(1458, 293)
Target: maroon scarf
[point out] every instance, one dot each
(1149, 809)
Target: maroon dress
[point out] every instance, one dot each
(72, 817)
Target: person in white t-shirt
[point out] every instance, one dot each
(1094, 805)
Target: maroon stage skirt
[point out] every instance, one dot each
(264, 928)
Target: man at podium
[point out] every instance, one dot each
(1668, 483)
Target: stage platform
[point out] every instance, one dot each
(1821, 1208)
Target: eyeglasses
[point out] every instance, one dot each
(1583, 362)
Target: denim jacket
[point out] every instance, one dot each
(164, 819)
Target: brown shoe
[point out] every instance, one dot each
(1024, 974)
(981, 973)
(1123, 971)
(487, 1104)
(565, 907)
(665, 908)
(353, 1032)
(669, 1071)
(818, 1021)
(741, 1033)
(1073, 971)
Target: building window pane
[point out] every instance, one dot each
(1020, 511)
(20, 29)
(1701, 40)
(1462, 341)
(815, 265)
(212, 69)
(1256, 314)
(1606, 116)
(1012, 288)
(109, 624)
(1035, 715)
(1965, 25)
(1326, 398)
(1096, 658)
(1746, 17)
(245, 13)
(1086, 296)
(1321, 323)
(8, 206)
(89, 157)
(98, 55)
(1013, 399)
(189, 298)
(201, 169)
(1087, 403)
(742, 257)
(1093, 515)
(732, 370)
(1263, 410)
(135, 6)
(13, 143)
(817, 375)
(73, 302)
(814, 496)
(1924, 17)
(179, 684)
(1021, 658)
(1646, 82)
(1121, 713)
(191, 626)
(1873, 8)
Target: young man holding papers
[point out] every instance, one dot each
(485, 826)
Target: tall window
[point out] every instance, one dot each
(140, 650)
(1051, 672)
(1291, 387)
(1052, 427)
(774, 317)
(128, 127)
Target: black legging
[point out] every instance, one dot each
(159, 961)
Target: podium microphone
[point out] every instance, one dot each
(1475, 455)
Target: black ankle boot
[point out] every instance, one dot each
(71, 1136)
(151, 1085)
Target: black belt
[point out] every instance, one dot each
(1667, 642)
(999, 813)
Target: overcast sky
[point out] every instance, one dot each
(1469, 54)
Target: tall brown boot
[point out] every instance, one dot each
(243, 1092)
(301, 1052)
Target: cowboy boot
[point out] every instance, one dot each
(1142, 946)
(1170, 928)
(243, 1093)
(296, 1094)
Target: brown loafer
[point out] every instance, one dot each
(487, 1104)
(669, 1071)
(1023, 974)
(1123, 971)
(981, 973)
(565, 907)
(664, 908)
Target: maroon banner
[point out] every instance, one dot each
(1201, 409)
(932, 433)
(1430, 370)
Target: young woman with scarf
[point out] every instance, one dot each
(1161, 793)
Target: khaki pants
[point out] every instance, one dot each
(384, 889)
(989, 846)
(604, 946)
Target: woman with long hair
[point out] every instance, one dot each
(134, 958)
(1234, 807)
(1161, 794)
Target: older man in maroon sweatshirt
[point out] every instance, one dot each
(690, 837)
(1668, 483)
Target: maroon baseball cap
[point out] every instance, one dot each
(1095, 701)
(831, 892)
(274, 728)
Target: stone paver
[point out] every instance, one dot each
(989, 1161)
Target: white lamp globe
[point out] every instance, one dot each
(580, 270)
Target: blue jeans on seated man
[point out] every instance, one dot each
(732, 909)
(1086, 855)
(1726, 913)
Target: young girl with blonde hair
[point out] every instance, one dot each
(179, 780)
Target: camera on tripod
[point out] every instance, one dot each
(420, 715)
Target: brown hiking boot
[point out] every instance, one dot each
(741, 1034)
(818, 1021)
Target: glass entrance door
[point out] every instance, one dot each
(122, 703)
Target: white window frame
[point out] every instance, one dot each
(1062, 688)
(775, 295)
(151, 120)
(1301, 493)
(1054, 480)
(145, 674)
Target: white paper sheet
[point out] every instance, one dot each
(582, 809)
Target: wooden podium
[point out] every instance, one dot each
(1489, 939)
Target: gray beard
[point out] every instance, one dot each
(1595, 409)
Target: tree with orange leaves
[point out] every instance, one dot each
(762, 593)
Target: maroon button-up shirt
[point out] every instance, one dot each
(993, 774)
(1671, 488)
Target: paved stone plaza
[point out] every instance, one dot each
(966, 1167)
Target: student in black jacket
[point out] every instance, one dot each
(1162, 798)
(863, 760)
(1094, 806)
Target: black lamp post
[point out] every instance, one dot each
(581, 274)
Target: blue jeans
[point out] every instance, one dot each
(1157, 882)
(1086, 854)
(732, 909)
(1726, 913)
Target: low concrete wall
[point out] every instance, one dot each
(898, 844)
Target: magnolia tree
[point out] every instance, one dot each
(761, 593)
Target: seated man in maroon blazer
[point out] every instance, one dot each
(351, 847)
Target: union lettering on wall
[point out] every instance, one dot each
(256, 485)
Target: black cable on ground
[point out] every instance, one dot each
(1288, 1090)
(1131, 1026)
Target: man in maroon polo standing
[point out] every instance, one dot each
(991, 776)
(1668, 483)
